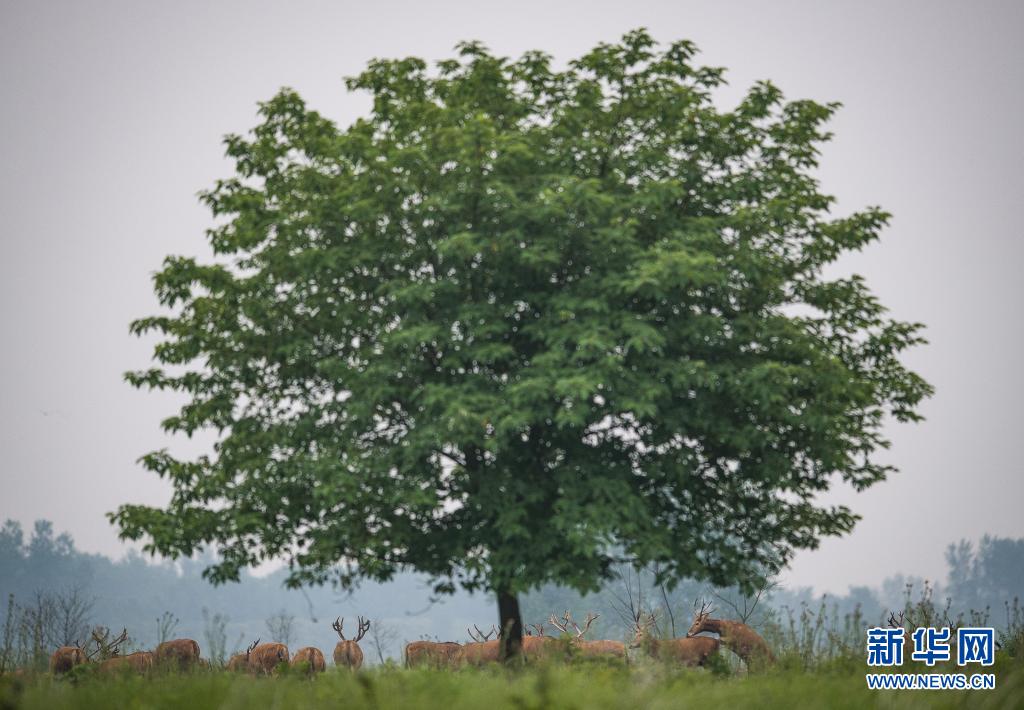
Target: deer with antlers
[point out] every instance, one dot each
(105, 646)
(267, 658)
(485, 648)
(897, 620)
(347, 653)
(596, 648)
(178, 654)
(138, 662)
(311, 660)
(690, 651)
(734, 635)
(240, 661)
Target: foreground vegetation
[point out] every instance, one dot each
(579, 686)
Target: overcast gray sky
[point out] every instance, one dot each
(111, 120)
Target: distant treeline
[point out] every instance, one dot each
(44, 570)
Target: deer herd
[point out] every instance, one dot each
(693, 650)
(183, 655)
(483, 648)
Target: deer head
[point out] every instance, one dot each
(642, 625)
(700, 616)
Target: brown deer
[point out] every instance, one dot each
(483, 649)
(735, 635)
(266, 658)
(433, 654)
(589, 649)
(237, 663)
(347, 653)
(538, 644)
(691, 651)
(67, 657)
(178, 654)
(313, 659)
(138, 662)
(240, 661)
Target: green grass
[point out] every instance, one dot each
(581, 687)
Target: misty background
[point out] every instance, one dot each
(112, 118)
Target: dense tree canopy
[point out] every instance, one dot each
(520, 322)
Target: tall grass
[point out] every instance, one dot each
(588, 686)
(812, 638)
(818, 636)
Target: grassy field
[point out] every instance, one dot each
(581, 687)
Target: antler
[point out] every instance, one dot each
(560, 626)
(894, 621)
(364, 626)
(480, 636)
(705, 609)
(591, 618)
(539, 628)
(114, 650)
(99, 639)
(251, 648)
(104, 646)
(337, 626)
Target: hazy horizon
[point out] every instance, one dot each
(113, 121)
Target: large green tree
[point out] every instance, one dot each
(519, 323)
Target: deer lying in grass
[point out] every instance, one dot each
(693, 651)
(138, 662)
(483, 649)
(105, 646)
(735, 635)
(590, 649)
(433, 654)
(312, 658)
(347, 653)
(180, 654)
(108, 653)
(266, 658)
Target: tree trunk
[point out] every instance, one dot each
(510, 625)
